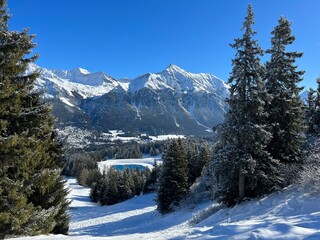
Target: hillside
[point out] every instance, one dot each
(289, 214)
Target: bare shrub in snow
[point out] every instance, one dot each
(202, 190)
(309, 180)
(202, 215)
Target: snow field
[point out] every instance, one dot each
(289, 214)
(144, 162)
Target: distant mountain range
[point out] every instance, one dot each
(173, 101)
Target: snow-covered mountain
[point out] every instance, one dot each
(179, 80)
(171, 101)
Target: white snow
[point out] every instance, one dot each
(166, 137)
(77, 80)
(64, 100)
(289, 214)
(145, 162)
(115, 135)
(178, 79)
(75, 137)
(191, 111)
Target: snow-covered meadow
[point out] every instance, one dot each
(289, 214)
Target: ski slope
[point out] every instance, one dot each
(289, 214)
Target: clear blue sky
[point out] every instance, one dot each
(127, 38)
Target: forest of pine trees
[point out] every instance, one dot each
(182, 164)
(32, 194)
(113, 185)
(259, 144)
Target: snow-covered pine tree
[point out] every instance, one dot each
(311, 112)
(108, 193)
(192, 155)
(316, 119)
(286, 109)
(151, 184)
(173, 179)
(125, 184)
(138, 181)
(32, 193)
(203, 158)
(242, 166)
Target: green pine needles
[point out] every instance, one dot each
(263, 129)
(173, 179)
(313, 111)
(32, 193)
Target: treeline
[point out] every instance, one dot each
(78, 161)
(124, 150)
(182, 164)
(81, 164)
(113, 185)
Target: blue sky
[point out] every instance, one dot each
(127, 38)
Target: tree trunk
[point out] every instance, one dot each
(241, 184)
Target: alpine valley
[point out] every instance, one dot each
(173, 101)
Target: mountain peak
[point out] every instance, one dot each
(80, 70)
(174, 68)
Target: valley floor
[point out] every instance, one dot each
(289, 214)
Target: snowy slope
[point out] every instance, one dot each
(289, 214)
(77, 81)
(179, 80)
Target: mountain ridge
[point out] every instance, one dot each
(170, 101)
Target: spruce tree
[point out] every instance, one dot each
(203, 158)
(108, 193)
(242, 166)
(311, 112)
(32, 193)
(173, 179)
(192, 162)
(125, 184)
(151, 184)
(285, 110)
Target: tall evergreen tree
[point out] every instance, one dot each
(109, 190)
(173, 179)
(151, 181)
(242, 166)
(32, 193)
(311, 112)
(286, 110)
(316, 118)
(192, 155)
